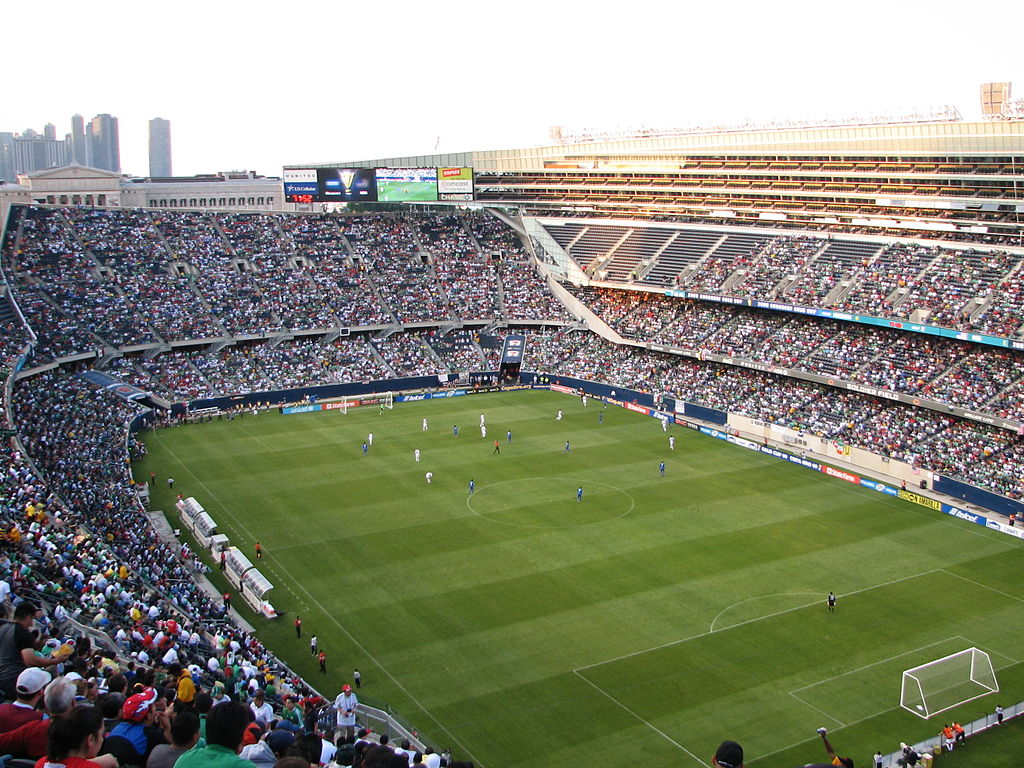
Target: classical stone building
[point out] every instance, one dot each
(81, 185)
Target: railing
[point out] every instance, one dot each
(933, 745)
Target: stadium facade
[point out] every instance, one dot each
(934, 178)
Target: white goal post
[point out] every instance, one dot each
(948, 682)
(387, 400)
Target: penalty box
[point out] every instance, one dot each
(773, 677)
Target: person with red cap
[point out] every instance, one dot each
(143, 726)
(345, 707)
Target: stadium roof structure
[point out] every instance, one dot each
(934, 179)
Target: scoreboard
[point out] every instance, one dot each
(371, 185)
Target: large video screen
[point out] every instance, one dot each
(403, 185)
(371, 185)
(346, 185)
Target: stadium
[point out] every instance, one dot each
(726, 372)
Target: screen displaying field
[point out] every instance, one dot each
(346, 185)
(401, 185)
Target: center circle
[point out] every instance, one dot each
(549, 502)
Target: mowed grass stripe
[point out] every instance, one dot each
(482, 621)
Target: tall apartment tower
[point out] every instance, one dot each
(159, 148)
(79, 141)
(104, 143)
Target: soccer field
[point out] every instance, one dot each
(641, 625)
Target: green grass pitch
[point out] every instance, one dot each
(403, 191)
(640, 626)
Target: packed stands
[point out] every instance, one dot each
(90, 281)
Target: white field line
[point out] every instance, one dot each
(833, 718)
(748, 621)
(984, 586)
(753, 599)
(285, 582)
(881, 661)
(794, 692)
(330, 616)
(647, 723)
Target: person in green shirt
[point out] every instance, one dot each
(225, 727)
(292, 714)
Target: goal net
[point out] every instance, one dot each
(945, 683)
(386, 399)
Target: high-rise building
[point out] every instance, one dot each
(159, 148)
(79, 141)
(30, 151)
(7, 157)
(104, 144)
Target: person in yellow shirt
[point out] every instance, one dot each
(844, 762)
(186, 687)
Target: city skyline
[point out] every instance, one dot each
(324, 82)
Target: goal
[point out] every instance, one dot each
(945, 683)
(386, 400)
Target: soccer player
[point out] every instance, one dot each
(497, 447)
(483, 430)
(672, 443)
(424, 425)
(664, 425)
(584, 398)
(831, 602)
(661, 468)
(365, 448)
(312, 646)
(416, 454)
(558, 417)
(430, 477)
(455, 430)
(508, 435)
(481, 419)
(567, 449)
(259, 551)
(579, 494)
(472, 487)
(369, 438)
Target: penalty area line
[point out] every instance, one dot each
(783, 612)
(642, 720)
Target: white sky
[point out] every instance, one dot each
(256, 85)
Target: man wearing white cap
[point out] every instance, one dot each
(30, 685)
(345, 705)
